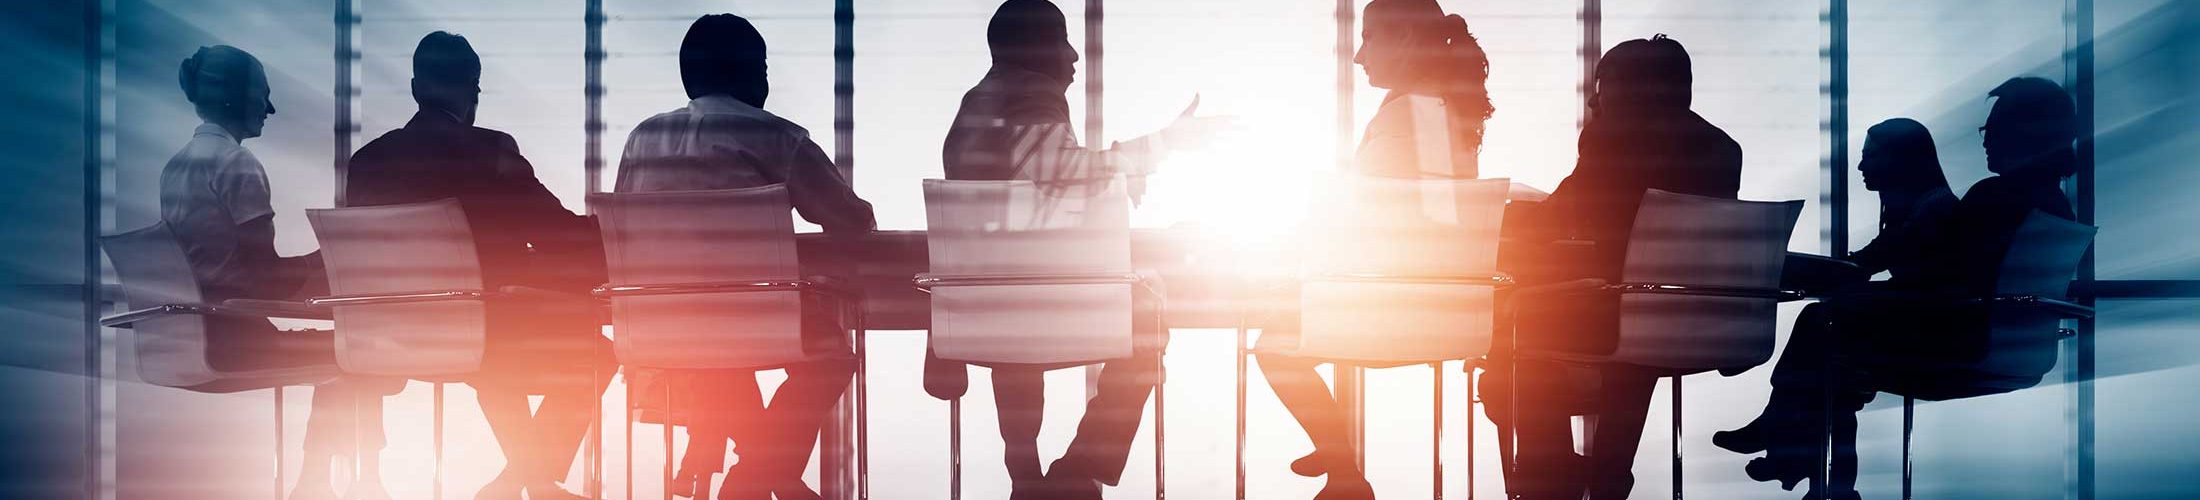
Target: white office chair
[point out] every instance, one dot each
(2022, 321)
(1398, 272)
(1036, 277)
(170, 323)
(1698, 291)
(709, 280)
(409, 299)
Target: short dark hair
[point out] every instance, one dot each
(723, 54)
(2046, 107)
(1655, 70)
(1021, 25)
(446, 58)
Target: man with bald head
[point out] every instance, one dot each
(524, 237)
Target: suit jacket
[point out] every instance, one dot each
(1622, 157)
(435, 157)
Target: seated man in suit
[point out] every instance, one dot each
(1640, 136)
(1014, 125)
(724, 139)
(215, 198)
(525, 238)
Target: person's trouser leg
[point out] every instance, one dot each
(330, 429)
(1623, 404)
(1308, 397)
(1019, 399)
(506, 409)
(789, 428)
(1547, 466)
(1103, 443)
(561, 422)
(727, 403)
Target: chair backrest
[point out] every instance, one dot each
(1013, 228)
(1699, 241)
(171, 349)
(2042, 258)
(407, 248)
(700, 237)
(1386, 228)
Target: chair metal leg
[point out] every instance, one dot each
(1909, 422)
(955, 449)
(278, 442)
(595, 439)
(1241, 382)
(626, 413)
(1472, 400)
(1436, 432)
(670, 410)
(1160, 429)
(438, 438)
(1676, 437)
(863, 413)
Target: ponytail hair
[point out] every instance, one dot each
(216, 80)
(1461, 74)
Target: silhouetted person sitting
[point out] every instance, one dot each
(1434, 68)
(1014, 125)
(524, 238)
(723, 139)
(215, 198)
(1640, 135)
(1901, 163)
(2028, 140)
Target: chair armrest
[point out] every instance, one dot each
(1706, 291)
(822, 285)
(129, 319)
(279, 309)
(1490, 280)
(929, 280)
(397, 298)
(1560, 288)
(2065, 308)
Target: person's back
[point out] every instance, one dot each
(437, 157)
(719, 142)
(207, 191)
(2028, 139)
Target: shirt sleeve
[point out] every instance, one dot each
(1048, 153)
(241, 185)
(822, 194)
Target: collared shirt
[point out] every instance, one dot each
(207, 191)
(719, 142)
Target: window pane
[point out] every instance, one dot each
(2146, 139)
(2144, 401)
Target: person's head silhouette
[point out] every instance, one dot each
(447, 76)
(1412, 46)
(1032, 35)
(1899, 158)
(2030, 129)
(724, 55)
(1643, 75)
(228, 88)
